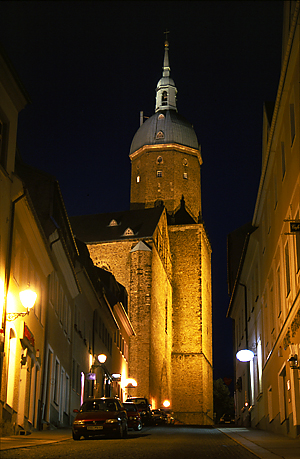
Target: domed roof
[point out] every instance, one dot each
(165, 126)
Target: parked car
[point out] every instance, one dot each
(134, 419)
(100, 416)
(168, 414)
(226, 419)
(158, 417)
(144, 408)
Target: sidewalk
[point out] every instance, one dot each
(265, 445)
(40, 437)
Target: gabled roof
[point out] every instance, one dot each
(98, 228)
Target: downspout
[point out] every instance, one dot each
(7, 275)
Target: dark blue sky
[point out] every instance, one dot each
(90, 67)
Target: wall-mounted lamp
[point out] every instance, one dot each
(294, 362)
(28, 298)
(245, 355)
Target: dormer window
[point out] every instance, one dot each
(161, 116)
(128, 232)
(160, 135)
(113, 223)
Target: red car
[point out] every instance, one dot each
(100, 416)
(134, 420)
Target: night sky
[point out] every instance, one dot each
(91, 67)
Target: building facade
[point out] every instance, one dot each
(49, 354)
(264, 274)
(160, 252)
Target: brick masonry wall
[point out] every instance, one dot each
(172, 185)
(192, 328)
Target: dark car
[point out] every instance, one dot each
(226, 419)
(158, 417)
(144, 408)
(100, 416)
(134, 419)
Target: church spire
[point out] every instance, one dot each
(166, 90)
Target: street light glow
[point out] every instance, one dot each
(245, 355)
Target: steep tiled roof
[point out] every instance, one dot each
(116, 226)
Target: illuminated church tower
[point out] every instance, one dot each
(159, 251)
(166, 160)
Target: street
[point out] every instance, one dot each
(179, 442)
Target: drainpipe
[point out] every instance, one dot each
(7, 275)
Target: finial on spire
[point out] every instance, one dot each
(166, 34)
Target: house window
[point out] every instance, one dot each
(56, 382)
(158, 173)
(287, 269)
(292, 122)
(297, 242)
(138, 179)
(283, 159)
(159, 160)
(185, 175)
(3, 152)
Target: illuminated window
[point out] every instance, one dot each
(160, 135)
(185, 162)
(185, 176)
(158, 173)
(138, 179)
(161, 116)
(164, 98)
(113, 223)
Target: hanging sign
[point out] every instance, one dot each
(295, 227)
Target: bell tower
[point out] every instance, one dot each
(165, 155)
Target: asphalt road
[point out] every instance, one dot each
(152, 442)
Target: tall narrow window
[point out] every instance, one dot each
(282, 159)
(3, 153)
(292, 122)
(275, 192)
(287, 269)
(297, 242)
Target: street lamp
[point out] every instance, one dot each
(245, 355)
(28, 298)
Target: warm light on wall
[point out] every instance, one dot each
(166, 403)
(130, 382)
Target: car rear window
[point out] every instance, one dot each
(129, 407)
(99, 405)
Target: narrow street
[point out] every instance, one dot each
(151, 442)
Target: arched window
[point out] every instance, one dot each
(160, 135)
(164, 98)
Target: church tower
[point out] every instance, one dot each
(165, 155)
(165, 171)
(159, 251)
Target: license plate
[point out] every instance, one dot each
(94, 427)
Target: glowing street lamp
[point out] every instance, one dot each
(28, 299)
(245, 355)
(102, 358)
(166, 403)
